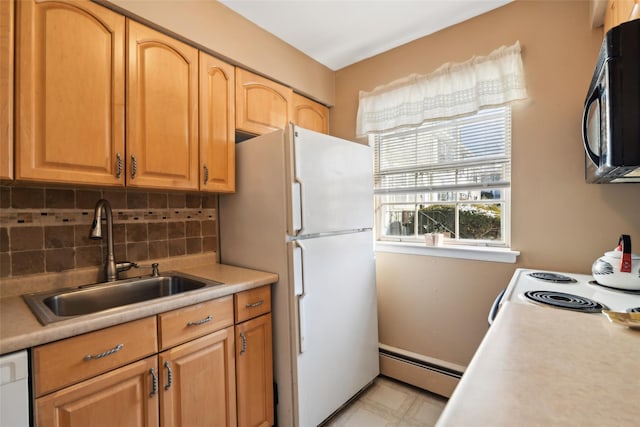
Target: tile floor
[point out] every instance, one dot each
(390, 403)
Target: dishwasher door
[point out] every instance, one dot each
(14, 390)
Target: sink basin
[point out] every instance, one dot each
(63, 304)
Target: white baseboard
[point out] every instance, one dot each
(441, 380)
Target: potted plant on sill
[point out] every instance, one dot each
(437, 236)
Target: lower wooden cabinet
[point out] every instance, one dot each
(123, 397)
(196, 369)
(198, 382)
(254, 372)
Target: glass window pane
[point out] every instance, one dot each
(481, 221)
(398, 220)
(439, 218)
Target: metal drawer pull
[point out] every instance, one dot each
(200, 322)
(243, 345)
(169, 376)
(206, 174)
(255, 304)
(115, 349)
(154, 384)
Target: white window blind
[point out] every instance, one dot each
(466, 153)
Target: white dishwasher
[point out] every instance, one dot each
(14, 390)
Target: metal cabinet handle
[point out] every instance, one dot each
(106, 353)
(154, 384)
(134, 166)
(201, 321)
(118, 165)
(206, 174)
(255, 304)
(243, 344)
(169, 375)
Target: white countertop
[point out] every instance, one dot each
(540, 366)
(20, 329)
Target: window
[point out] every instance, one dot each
(451, 176)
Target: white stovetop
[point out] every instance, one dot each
(616, 300)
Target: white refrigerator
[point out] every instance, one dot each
(303, 209)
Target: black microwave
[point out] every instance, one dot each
(611, 118)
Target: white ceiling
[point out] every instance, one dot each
(338, 33)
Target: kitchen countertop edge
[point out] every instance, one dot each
(19, 328)
(538, 366)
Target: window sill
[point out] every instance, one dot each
(477, 253)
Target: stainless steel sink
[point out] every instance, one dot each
(61, 304)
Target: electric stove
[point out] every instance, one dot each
(568, 291)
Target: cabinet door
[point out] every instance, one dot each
(162, 111)
(310, 114)
(254, 372)
(217, 131)
(6, 89)
(610, 15)
(69, 93)
(624, 10)
(262, 105)
(123, 397)
(197, 382)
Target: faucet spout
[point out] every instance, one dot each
(103, 207)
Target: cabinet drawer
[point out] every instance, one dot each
(69, 361)
(185, 324)
(252, 303)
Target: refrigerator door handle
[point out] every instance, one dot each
(296, 208)
(299, 292)
(301, 322)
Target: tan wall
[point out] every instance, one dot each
(232, 37)
(438, 306)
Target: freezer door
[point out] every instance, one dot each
(332, 188)
(336, 322)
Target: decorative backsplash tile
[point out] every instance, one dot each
(47, 229)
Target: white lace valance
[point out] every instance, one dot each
(451, 90)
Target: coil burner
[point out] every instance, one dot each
(552, 277)
(566, 301)
(633, 310)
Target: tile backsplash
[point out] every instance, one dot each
(45, 230)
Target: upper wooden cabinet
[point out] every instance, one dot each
(217, 130)
(619, 11)
(310, 114)
(262, 105)
(162, 110)
(7, 14)
(69, 92)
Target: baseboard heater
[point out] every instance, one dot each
(419, 371)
